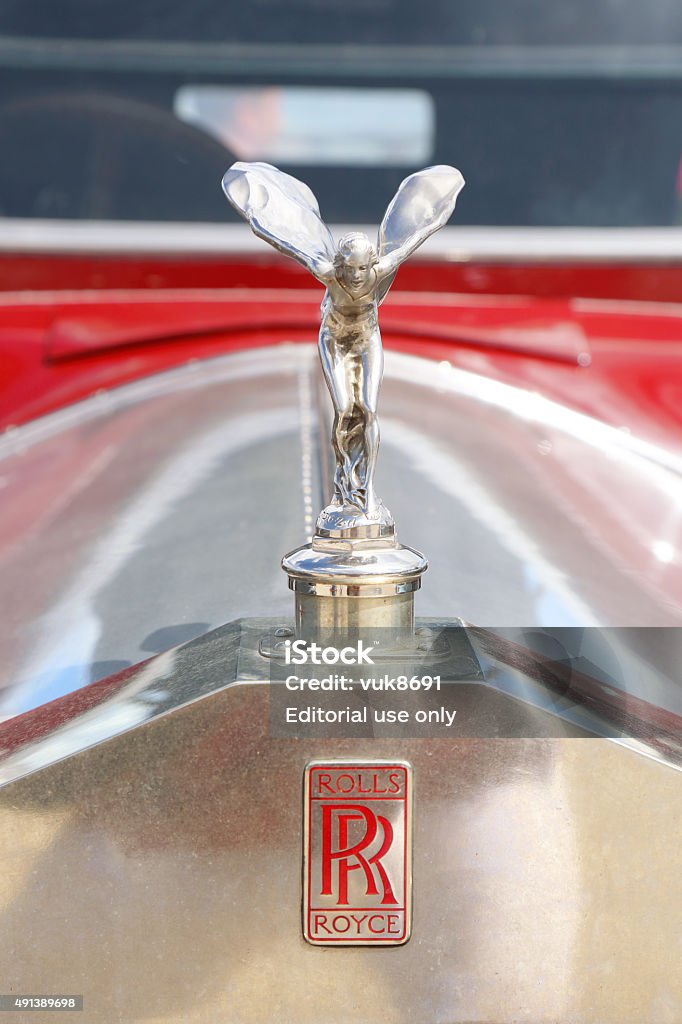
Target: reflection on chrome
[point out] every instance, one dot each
(135, 702)
(650, 492)
(72, 627)
(619, 684)
(555, 600)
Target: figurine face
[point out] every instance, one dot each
(355, 268)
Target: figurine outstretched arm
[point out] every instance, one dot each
(282, 211)
(423, 204)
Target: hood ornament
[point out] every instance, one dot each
(354, 552)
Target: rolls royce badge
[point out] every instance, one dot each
(357, 880)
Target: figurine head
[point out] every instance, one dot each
(355, 257)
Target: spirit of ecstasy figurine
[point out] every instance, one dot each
(284, 212)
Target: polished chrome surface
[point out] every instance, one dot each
(158, 872)
(391, 568)
(329, 609)
(142, 506)
(127, 521)
(359, 583)
(522, 693)
(348, 579)
(357, 853)
(354, 554)
(357, 276)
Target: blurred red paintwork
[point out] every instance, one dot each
(618, 360)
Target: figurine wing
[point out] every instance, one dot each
(423, 204)
(282, 211)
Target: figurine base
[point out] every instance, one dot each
(347, 569)
(351, 580)
(345, 521)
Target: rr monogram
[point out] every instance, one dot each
(357, 850)
(344, 854)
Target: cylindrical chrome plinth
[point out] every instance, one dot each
(318, 616)
(353, 587)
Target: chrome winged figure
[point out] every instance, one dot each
(357, 276)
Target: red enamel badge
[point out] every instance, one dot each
(357, 884)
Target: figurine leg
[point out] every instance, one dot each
(369, 373)
(355, 435)
(334, 370)
(352, 367)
